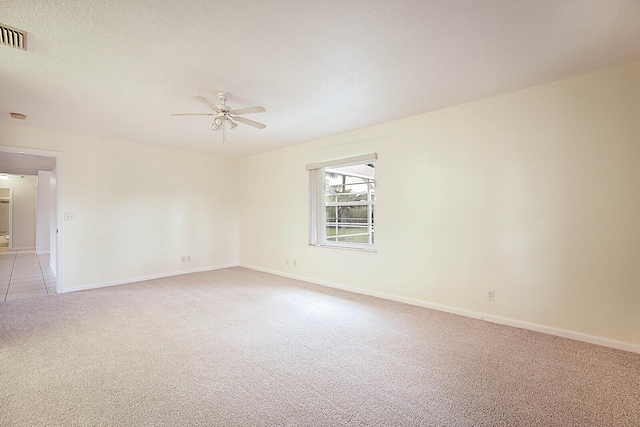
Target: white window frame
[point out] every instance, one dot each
(318, 203)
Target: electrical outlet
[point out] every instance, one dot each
(491, 295)
(183, 259)
(295, 263)
(188, 257)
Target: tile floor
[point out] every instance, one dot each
(23, 274)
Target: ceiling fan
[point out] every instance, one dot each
(224, 114)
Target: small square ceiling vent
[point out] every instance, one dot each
(13, 37)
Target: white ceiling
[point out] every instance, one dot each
(118, 68)
(24, 164)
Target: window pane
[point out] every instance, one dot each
(353, 224)
(350, 183)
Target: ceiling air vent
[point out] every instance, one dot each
(13, 37)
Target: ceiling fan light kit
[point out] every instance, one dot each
(225, 115)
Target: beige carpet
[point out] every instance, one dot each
(237, 347)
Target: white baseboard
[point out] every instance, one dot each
(142, 279)
(42, 252)
(578, 336)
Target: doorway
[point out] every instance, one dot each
(5, 219)
(45, 166)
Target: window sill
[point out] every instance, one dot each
(347, 248)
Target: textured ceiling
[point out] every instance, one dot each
(19, 164)
(118, 68)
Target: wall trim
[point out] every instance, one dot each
(144, 278)
(42, 252)
(564, 333)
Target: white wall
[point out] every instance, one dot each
(534, 194)
(24, 210)
(137, 208)
(43, 217)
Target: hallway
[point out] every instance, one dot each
(23, 274)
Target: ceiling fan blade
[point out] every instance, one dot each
(248, 110)
(250, 122)
(193, 114)
(208, 103)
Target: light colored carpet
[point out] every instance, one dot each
(236, 347)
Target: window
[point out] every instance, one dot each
(342, 199)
